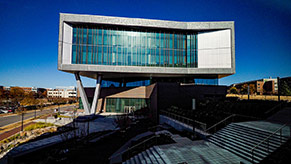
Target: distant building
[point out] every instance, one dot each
(262, 86)
(34, 89)
(62, 92)
(6, 88)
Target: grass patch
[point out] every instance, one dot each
(38, 125)
(62, 116)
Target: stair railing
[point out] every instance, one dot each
(267, 139)
(185, 120)
(220, 122)
(278, 106)
(152, 140)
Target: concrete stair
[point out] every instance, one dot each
(232, 144)
(240, 138)
(149, 156)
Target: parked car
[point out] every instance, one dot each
(4, 111)
(10, 109)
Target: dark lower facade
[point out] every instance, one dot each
(154, 97)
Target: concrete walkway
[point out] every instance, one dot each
(97, 125)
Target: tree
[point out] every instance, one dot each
(2, 95)
(16, 94)
(28, 101)
(44, 94)
(252, 88)
(233, 90)
(244, 89)
(285, 89)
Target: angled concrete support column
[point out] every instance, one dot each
(82, 93)
(96, 95)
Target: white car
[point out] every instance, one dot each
(4, 111)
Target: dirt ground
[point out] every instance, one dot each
(261, 97)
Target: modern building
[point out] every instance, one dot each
(62, 92)
(133, 57)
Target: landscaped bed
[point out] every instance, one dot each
(82, 151)
(30, 132)
(38, 125)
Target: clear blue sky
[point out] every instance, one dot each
(29, 34)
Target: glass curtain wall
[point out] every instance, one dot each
(125, 105)
(108, 83)
(104, 46)
(206, 81)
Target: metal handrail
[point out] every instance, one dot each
(124, 151)
(155, 136)
(188, 119)
(275, 107)
(267, 138)
(220, 122)
(184, 117)
(245, 116)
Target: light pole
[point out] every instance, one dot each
(22, 114)
(248, 92)
(279, 88)
(59, 96)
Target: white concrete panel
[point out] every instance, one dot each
(214, 49)
(96, 95)
(67, 44)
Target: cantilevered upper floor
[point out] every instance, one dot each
(118, 47)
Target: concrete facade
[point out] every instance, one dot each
(62, 92)
(107, 71)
